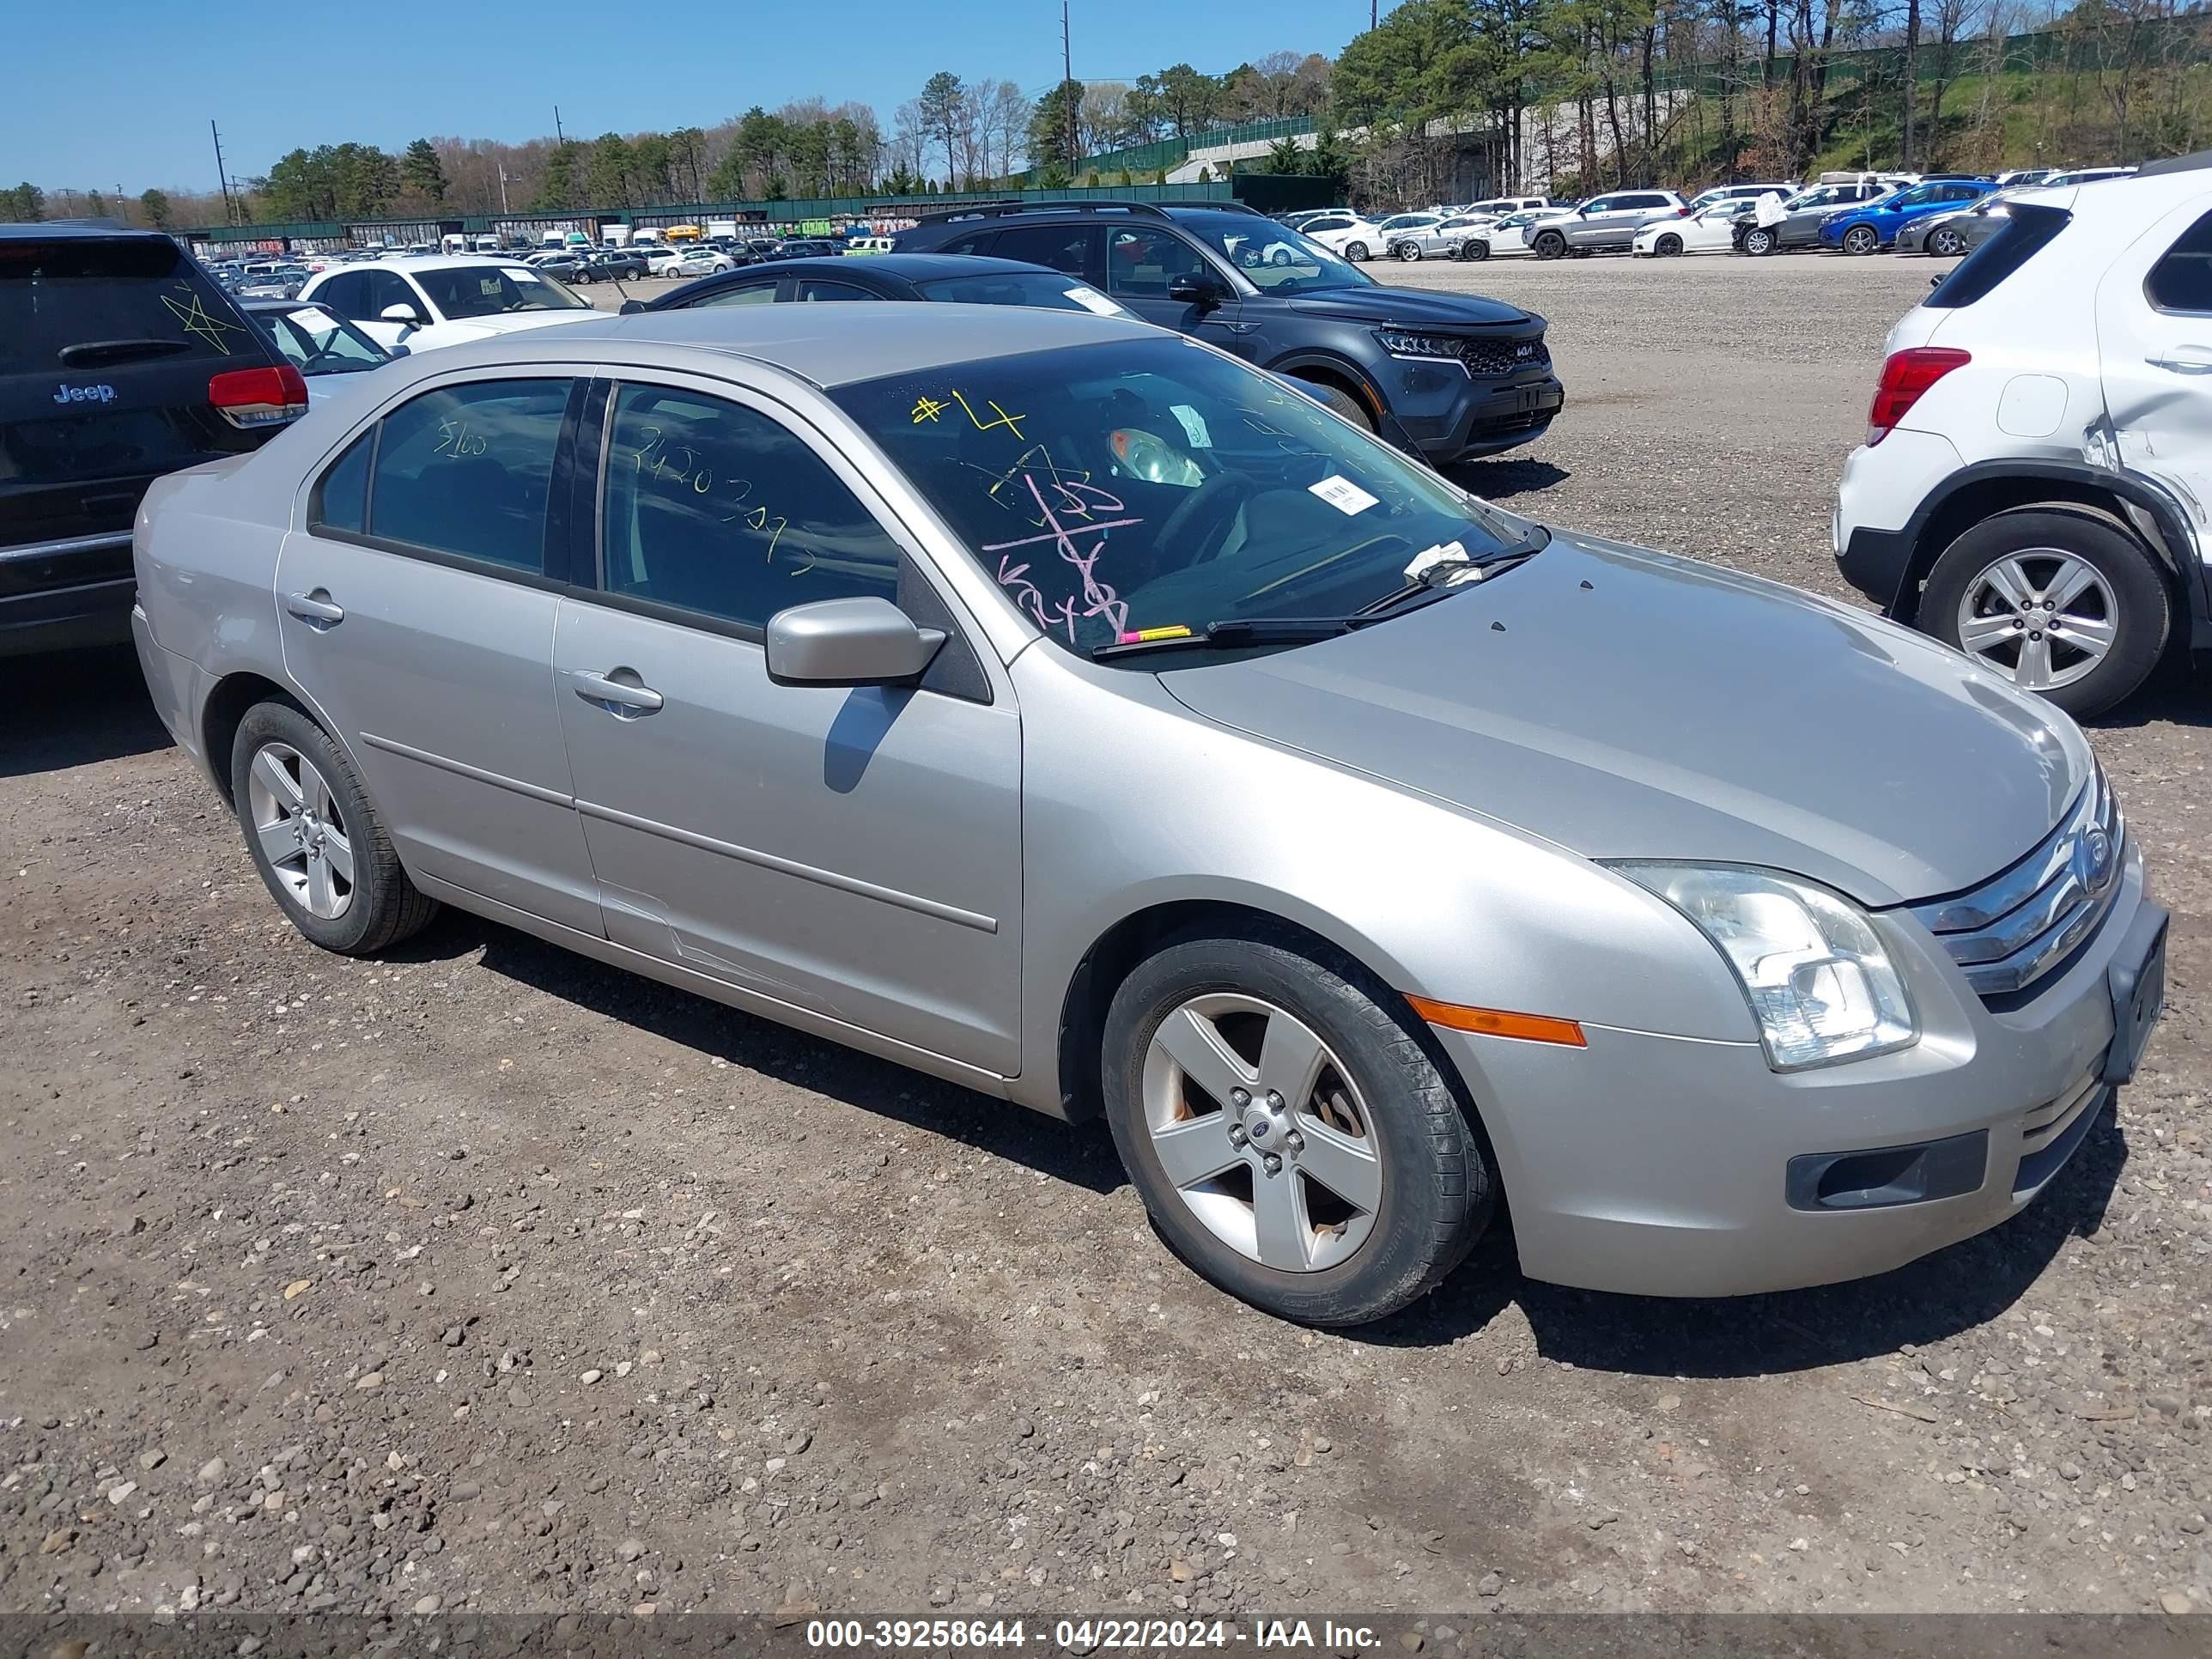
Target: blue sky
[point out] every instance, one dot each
(126, 98)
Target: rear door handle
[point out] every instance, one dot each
(623, 699)
(2197, 361)
(315, 609)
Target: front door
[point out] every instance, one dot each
(854, 852)
(417, 614)
(1145, 261)
(2155, 337)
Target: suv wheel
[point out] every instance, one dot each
(1947, 243)
(1759, 239)
(1291, 1141)
(2058, 602)
(1549, 244)
(1408, 250)
(1862, 240)
(1338, 401)
(1356, 251)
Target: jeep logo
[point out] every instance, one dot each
(85, 394)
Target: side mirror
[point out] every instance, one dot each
(399, 350)
(1193, 290)
(630, 307)
(402, 313)
(857, 641)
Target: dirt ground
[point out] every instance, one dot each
(481, 1277)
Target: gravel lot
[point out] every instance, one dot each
(481, 1277)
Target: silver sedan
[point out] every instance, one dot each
(1068, 708)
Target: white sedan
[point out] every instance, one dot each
(1347, 234)
(698, 261)
(1509, 236)
(1709, 230)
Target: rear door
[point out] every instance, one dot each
(2155, 337)
(107, 348)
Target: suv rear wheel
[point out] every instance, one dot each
(1549, 244)
(2058, 601)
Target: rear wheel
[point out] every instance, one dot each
(1548, 245)
(1862, 240)
(1291, 1141)
(315, 837)
(2059, 602)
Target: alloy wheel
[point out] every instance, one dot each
(2042, 617)
(1861, 238)
(1356, 251)
(1262, 1133)
(300, 830)
(1949, 243)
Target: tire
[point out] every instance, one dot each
(1945, 244)
(1548, 245)
(1408, 250)
(1376, 1118)
(1474, 249)
(2127, 594)
(1356, 251)
(379, 906)
(1759, 239)
(1338, 401)
(1667, 246)
(1862, 240)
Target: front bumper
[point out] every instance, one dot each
(1663, 1166)
(1448, 420)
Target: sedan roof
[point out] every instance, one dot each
(829, 345)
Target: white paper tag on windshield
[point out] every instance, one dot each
(1343, 495)
(1194, 425)
(1429, 557)
(523, 272)
(1091, 300)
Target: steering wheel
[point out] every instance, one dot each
(1210, 507)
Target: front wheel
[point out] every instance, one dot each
(315, 836)
(1862, 240)
(1408, 250)
(1338, 401)
(1668, 246)
(1549, 244)
(1474, 248)
(1946, 244)
(2056, 602)
(1290, 1140)
(1356, 251)
(1758, 239)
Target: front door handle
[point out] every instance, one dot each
(2198, 362)
(315, 609)
(623, 699)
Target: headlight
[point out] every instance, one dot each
(1400, 343)
(1820, 983)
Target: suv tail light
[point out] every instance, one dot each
(259, 397)
(1904, 376)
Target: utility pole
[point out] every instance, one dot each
(502, 187)
(559, 137)
(1069, 90)
(230, 208)
(1374, 14)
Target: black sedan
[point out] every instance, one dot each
(1947, 235)
(612, 264)
(957, 278)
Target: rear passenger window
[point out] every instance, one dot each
(465, 470)
(1074, 249)
(820, 287)
(2182, 281)
(755, 293)
(717, 509)
(341, 499)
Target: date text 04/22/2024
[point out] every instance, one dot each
(1083, 1635)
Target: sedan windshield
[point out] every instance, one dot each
(493, 290)
(1143, 484)
(316, 342)
(1273, 258)
(1047, 289)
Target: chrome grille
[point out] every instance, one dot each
(2010, 931)
(1486, 356)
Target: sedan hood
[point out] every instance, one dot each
(1414, 306)
(1627, 704)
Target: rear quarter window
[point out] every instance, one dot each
(2182, 280)
(2027, 231)
(85, 303)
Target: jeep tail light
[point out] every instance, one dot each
(1904, 376)
(259, 397)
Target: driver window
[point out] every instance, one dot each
(715, 509)
(1140, 264)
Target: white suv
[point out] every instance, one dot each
(2038, 469)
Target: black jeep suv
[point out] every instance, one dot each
(1445, 376)
(121, 360)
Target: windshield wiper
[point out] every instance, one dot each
(1437, 582)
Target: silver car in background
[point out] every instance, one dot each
(1067, 709)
